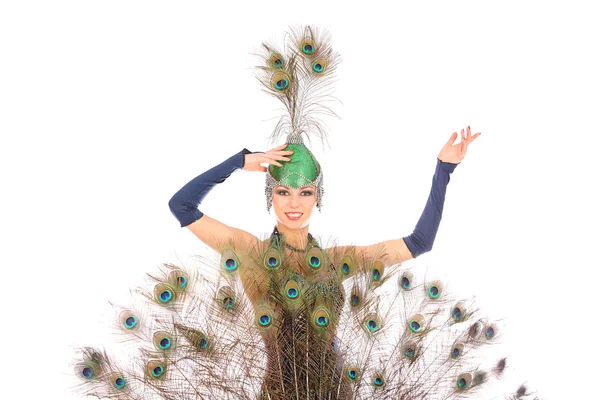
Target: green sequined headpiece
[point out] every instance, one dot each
(303, 169)
(301, 78)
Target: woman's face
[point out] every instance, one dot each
(293, 207)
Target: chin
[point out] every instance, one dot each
(299, 224)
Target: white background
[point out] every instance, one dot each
(108, 108)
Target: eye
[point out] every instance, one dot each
(307, 193)
(283, 192)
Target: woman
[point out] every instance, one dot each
(291, 334)
(297, 263)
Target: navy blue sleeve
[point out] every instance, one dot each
(422, 238)
(184, 204)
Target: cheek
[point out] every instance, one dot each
(309, 202)
(277, 201)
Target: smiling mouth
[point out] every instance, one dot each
(294, 215)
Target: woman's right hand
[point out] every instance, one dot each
(252, 162)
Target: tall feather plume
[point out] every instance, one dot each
(301, 77)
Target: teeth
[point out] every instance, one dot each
(294, 215)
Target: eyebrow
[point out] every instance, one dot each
(301, 188)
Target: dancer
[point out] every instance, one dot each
(289, 317)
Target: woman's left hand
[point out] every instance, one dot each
(456, 153)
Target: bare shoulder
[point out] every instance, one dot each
(218, 235)
(236, 243)
(389, 252)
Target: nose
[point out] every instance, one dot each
(294, 201)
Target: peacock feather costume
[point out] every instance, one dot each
(325, 322)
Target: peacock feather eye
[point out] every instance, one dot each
(308, 46)
(410, 350)
(457, 350)
(315, 258)
(182, 281)
(276, 61)
(292, 290)
(464, 381)
(319, 65)
(377, 271)
(230, 264)
(228, 302)
(406, 280)
(282, 84)
(346, 264)
(88, 369)
(156, 369)
(459, 312)
(272, 259)
(163, 340)
(372, 324)
(264, 316)
(166, 296)
(119, 382)
(230, 261)
(129, 320)
(417, 324)
(378, 380)
(321, 317)
(435, 289)
(226, 298)
(352, 373)
(354, 300)
(178, 279)
(376, 274)
(280, 81)
(164, 293)
(315, 262)
(490, 331)
(203, 343)
(87, 372)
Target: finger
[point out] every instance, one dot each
(272, 156)
(287, 152)
(468, 133)
(451, 140)
(475, 136)
(278, 148)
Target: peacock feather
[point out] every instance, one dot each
(264, 322)
(301, 76)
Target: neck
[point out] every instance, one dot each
(297, 238)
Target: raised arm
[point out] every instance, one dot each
(184, 204)
(421, 240)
